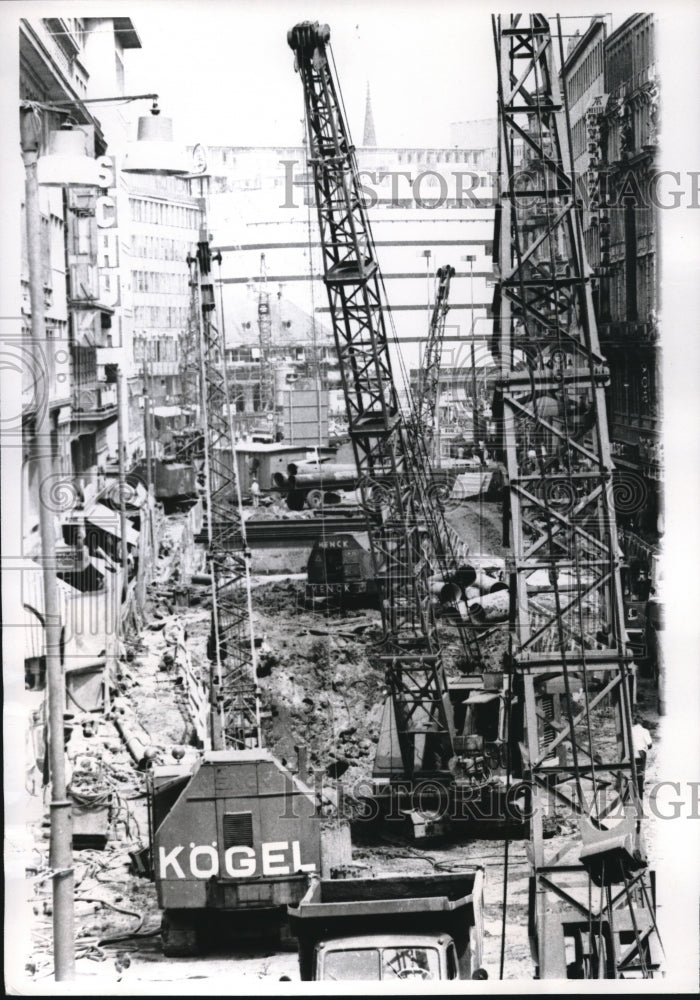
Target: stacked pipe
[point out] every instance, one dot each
(487, 597)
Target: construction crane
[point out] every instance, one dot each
(427, 397)
(591, 897)
(267, 377)
(419, 737)
(189, 446)
(234, 701)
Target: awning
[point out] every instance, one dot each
(135, 496)
(167, 411)
(481, 697)
(107, 520)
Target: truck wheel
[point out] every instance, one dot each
(178, 935)
(314, 499)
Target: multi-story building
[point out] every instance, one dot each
(56, 58)
(613, 93)
(164, 221)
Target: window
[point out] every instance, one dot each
(452, 962)
(361, 963)
(412, 964)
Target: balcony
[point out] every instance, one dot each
(94, 403)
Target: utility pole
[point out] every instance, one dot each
(148, 443)
(121, 451)
(61, 847)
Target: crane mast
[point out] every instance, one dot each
(591, 900)
(234, 702)
(267, 378)
(426, 403)
(410, 649)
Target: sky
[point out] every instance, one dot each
(227, 71)
(224, 71)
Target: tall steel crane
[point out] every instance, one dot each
(427, 397)
(410, 650)
(419, 736)
(592, 896)
(234, 702)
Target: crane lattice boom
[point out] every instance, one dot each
(401, 551)
(426, 402)
(235, 711)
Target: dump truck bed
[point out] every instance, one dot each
(449, 903)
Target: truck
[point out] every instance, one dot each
(340, 569)
(233, 837)
(315, 482)
(411, 927)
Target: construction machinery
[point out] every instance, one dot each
(233, 837)
(232, 833)
(429, 383)
(392, 929)
(340, 570)
(592, 904)
(410, 544)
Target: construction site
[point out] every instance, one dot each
(383, 682)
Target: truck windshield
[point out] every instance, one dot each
(410, 963)
(361, 963)
(395, 963)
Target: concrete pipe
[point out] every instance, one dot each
(487, 584)
(464, 576)
(491, 607)
(445, 591)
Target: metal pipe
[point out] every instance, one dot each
(140, 752)
(61, 848)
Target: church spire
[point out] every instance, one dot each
(369, 138)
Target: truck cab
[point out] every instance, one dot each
(387, 957)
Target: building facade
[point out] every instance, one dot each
(614, 108)
(55, 60)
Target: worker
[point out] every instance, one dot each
(641, 745)
(255, 491)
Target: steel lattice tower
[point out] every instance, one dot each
(235, 710)
(568, 653)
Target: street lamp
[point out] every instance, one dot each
(66, 165)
